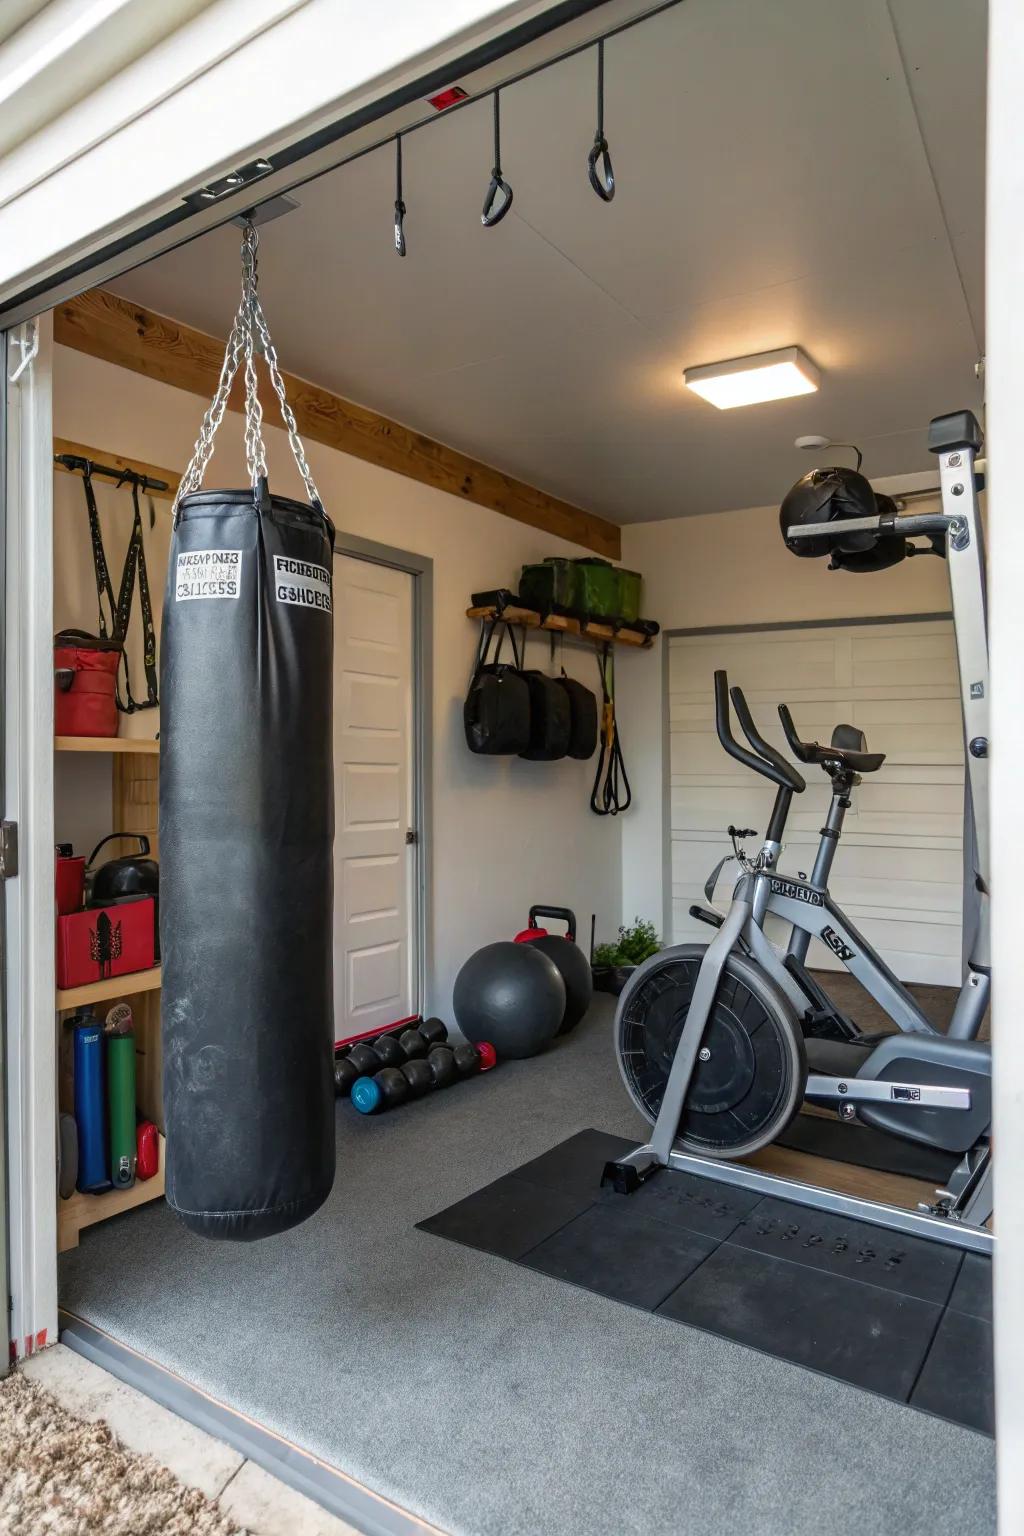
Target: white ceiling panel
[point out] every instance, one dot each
(778, 184)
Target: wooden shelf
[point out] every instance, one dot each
(80, 1210)
(113, 986)
(104, 744)
(586, 629)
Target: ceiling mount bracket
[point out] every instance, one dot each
(232, 181)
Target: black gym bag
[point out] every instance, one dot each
(496, 714)
(550, 718)
(582, 717)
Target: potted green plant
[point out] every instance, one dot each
(613, 964)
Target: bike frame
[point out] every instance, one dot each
(810, 909)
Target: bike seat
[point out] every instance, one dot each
(847, 749)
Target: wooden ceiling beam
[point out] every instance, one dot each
(106, 326)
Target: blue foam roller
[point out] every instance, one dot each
(90, 1108)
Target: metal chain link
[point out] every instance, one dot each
(287, 414)
(249, 324)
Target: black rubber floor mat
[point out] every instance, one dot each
(860, 1333)
(865, 1147)
(900, 1316)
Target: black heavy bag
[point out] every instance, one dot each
(246, 833)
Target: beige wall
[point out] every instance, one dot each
(505, 833)
(725, 569)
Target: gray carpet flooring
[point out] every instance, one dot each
(494, 1401)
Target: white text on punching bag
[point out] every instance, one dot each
(303, 583)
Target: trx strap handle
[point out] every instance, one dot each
(603, 180)
(611, 793)
(492, 215)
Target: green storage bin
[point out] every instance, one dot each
(550, 584)
(596, 591)
(630, 587)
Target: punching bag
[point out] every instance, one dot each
(246, 834)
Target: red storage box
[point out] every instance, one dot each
(85, 684)
(105, 941)
(70, 883)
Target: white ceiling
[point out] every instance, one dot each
(802, 172)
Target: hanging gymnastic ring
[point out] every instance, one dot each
(603, 180)
(491, 215)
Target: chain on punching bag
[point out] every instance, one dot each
(246, 830)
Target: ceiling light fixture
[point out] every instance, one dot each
(750, 380)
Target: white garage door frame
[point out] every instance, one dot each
(711, 631)
(421, 569)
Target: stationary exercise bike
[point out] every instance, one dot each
(709, 1039)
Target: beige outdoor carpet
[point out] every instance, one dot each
(61, 1476)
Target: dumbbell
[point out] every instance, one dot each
(471, 1058)
(434, 1031)
(391, 1086)
(365, 1060)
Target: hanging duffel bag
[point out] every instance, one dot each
(550, 719)
(85, 684)
(582, 717)
(496, 714)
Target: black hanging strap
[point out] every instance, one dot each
(399, 204)
(104, 589)
(611, 793)
(492, 215)
(603, 180)
(116, 628)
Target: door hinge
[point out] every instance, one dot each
(412, 836)
(232, 182)
(8, 849)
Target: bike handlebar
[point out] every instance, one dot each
(772, 766)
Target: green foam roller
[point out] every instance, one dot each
(121, 1102)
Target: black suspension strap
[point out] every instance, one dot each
(399, 204)
(104, 589)
(492, 215)
(603, 180)
(611, 793)
(116, 628)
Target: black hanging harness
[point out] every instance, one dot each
(120, 611)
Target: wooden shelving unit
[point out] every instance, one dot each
(105, 744)
(560, 623)
(134, 798)
(80, 1210)
(105, 991)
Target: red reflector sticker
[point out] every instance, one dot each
(447, 98)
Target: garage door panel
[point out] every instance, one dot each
(898, 872)
(777, 658)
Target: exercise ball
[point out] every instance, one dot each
(574, 969)
(512, 995)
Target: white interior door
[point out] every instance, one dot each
(376, 922)
(898, 872)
